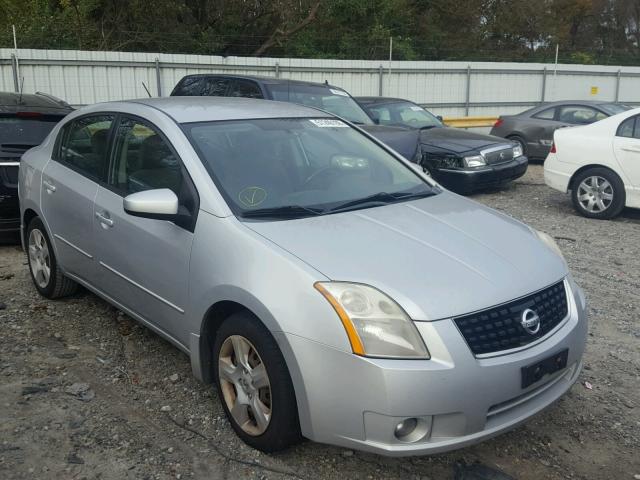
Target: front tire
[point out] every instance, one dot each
(254, 385)
(598, 193)
(45, 272)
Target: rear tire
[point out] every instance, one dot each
(43, 266)
(254, 385)
(598, 193)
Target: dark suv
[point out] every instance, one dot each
(25, 121)
(461, 161)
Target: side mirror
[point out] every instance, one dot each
(160, 204)
(375, 117)
(439, 117)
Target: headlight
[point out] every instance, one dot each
(375, 324)
(549, 242)
(474, 161)
(517, 151)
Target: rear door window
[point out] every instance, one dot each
(216, 86)
(579, 115)
(548, 114)
(245, 88)
(626, 128)
(189, 86)
(85, 144)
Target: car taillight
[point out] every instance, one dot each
(553, 147)
(498, 123)
(28, 114)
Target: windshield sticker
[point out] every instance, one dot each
(328, 123)
(416, 108)
(252, 196)
(338, 92)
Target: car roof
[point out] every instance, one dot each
(262, 79)
(11, 102)
(209, 109)
(587, 103)
(380, 100)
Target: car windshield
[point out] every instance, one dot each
(332, 100)
(26, 130)
(288, 168)
(404, 113)
(614, 108)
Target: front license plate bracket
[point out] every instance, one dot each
(535, 372)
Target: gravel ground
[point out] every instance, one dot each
(85, 392)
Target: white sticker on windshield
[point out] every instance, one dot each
(339, 92)
(416, 108)
(328, 123)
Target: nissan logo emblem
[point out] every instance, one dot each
(530, 321)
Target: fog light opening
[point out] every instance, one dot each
(411, 430)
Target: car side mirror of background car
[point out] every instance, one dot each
(159, 204)
(439, 117)
(375, 117)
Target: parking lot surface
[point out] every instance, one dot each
(85, 392)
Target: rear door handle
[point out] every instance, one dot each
(631, 149)
(49, 186)
(102, 218)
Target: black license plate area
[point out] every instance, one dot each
(532, 373)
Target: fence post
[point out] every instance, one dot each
(380, 79)
(14, 69)
(468, 95)
(277, 67)
(618, 85)
(158, 80)
(544, 84)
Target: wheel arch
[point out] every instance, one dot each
(28, 215)
(587, 167)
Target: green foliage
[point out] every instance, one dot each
(588, 31)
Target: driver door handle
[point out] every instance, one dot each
(102, 218)
(49, 186)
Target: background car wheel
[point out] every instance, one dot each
(520, 140)
(254, 385)
(45, 273)
(598, 193)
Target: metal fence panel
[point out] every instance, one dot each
(449, 88)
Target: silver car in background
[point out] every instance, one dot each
(328, 289)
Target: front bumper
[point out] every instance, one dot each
(9, 204)
(471, 180)
(356, 402)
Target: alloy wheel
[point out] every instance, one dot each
(39, 258)
(245, 385)
(595, 194)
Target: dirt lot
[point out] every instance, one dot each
(87, 393)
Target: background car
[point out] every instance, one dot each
(460, 160)
(25, 120)
(533, 129)
(599, 164)
(463, 166)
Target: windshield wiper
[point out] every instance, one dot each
(381, 198)
(286, 211)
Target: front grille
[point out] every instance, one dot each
(499, 328)
(494, 157)
(8, 174)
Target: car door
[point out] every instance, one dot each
(538, 132)
(144, 263)
(626, 145)
(69, 185)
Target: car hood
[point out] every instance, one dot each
(438, 257)
(457, 141)
(402, 140)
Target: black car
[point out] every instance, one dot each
(25, 121)
(460, 160)
(533, 129)
(448, 168)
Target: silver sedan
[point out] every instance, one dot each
(328, 289)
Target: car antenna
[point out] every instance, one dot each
(147, 90)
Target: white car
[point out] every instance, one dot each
(599, 164)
